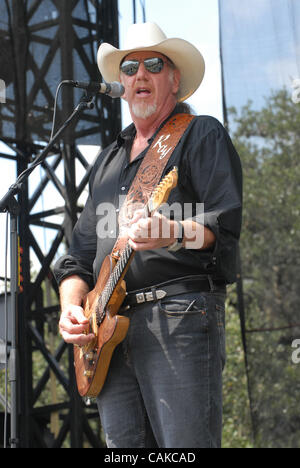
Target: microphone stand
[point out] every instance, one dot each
(9, 204)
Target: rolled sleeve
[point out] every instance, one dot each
(81, 254)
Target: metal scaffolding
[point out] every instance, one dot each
(44, 42)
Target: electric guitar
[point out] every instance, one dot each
(101, 306)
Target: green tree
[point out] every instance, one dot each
(237, 429)
(268, 142)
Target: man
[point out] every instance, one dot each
(164, 384)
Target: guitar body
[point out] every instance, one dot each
(92, 361)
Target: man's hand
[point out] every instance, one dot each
(73, 326)
(151, 233)
(159, 231)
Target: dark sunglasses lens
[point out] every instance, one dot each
(154, 65)
(130, 67)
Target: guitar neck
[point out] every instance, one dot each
(120, 268)
(117, 274)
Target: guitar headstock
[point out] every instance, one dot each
(161, 193)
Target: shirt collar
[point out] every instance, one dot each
(129, 132)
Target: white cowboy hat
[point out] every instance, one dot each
(149, 36)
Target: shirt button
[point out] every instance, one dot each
(123, 188)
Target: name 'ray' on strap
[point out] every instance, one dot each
(150, 172)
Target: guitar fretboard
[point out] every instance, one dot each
(112, 282)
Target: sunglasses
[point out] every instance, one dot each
(152, 65)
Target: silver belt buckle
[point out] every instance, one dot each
(140, 298)
(160, 294)
(148, 296)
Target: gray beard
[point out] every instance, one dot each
(143, 111)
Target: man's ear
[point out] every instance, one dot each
(176, 81)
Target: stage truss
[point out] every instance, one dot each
(52, 40)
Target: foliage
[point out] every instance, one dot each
(237, 431)
(269, 145)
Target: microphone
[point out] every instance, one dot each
(114, 89)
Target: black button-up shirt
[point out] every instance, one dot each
(209, 174)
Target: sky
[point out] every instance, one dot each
(195, 21)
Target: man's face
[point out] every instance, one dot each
(148, 93)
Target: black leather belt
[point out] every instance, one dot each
(174, 287)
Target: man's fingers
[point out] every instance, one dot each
(141, 229)
(138, 214)
(75, 336)
(148, 229)
(76, 315)
(79, 340)
(74, 326)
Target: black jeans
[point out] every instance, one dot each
(164, 386)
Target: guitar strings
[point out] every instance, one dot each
(112, 282)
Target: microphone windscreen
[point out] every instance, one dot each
(117, 89)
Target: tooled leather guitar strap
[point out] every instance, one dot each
(150, 171)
